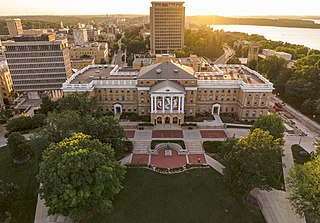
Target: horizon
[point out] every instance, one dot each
(228, 8)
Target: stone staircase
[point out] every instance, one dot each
(141, 147)
(194, 147)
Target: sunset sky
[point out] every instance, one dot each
(193, 7)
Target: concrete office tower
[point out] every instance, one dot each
(38, 64)
(167, 22)
(80, 36)
(14, 27)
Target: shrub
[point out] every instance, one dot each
(212, 146)
(19, 123)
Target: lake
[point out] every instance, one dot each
(302, 36)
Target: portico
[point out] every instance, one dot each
(167, 103)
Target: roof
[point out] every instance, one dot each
(167, 70)
(167, 86)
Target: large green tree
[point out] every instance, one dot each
(79, 177)
(8, 194)
(304, 182)
(65, 124)
(19, 147)
(255, 161)
(271, 67)
(84, 103)
(272, 123)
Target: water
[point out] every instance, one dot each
(302, 36)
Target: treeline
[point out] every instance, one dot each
(220, 20)
(202, 41)
(298, 85)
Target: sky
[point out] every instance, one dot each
(193, 7)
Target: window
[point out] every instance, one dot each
(232, 109)
(254, 113)
(141, 92)
(222, 91)
(222, 98)
(191, 100)
(142, 100)
(190, 112)
(227, 109)
(248, 102)
(217, 98)
(229, 91)
(247, 113)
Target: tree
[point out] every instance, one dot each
(19, 123)
(234, 60)
(79, 177)
(272, 123)
(271, 66)
(65, 124)
(252, 64)
(19, 147)
(8, 194)
(47, 105)
(6, 113)
(255, 161)
(81, 102)
(304, 180)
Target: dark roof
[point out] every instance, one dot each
(167, 71)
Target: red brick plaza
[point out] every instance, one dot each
(167, 134)
(162, 161)
(130, 133)
(174, 160)
(213, 134)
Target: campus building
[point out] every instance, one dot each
(14, 27)
(80, 36)
(38, 63)
(167, 23)
(169, 91)
(97, 51)
(6, 86)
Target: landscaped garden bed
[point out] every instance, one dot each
(213, 149)
(134, 117)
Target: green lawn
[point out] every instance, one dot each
(193, 196)
(24, 176)
(297, 157)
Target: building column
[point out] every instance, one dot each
(155, 104)
(182, 104)
(162, 104)
(152, 104)
(170, 104)
(179, 104)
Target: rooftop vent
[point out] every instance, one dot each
(158, 71)
(176, 70)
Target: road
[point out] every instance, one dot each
(302, 122)
(228, 53)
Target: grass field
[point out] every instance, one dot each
(193, 196)
(24, 176)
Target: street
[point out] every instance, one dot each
(228, 53)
